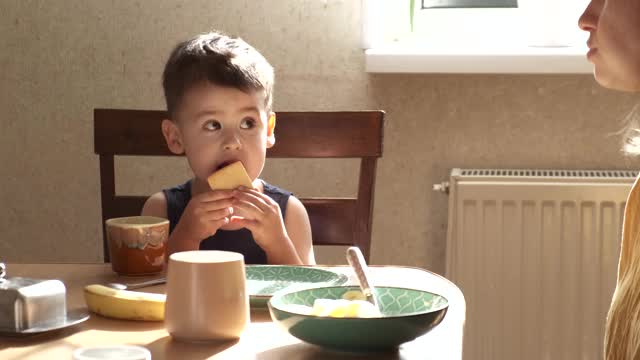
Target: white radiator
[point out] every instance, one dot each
(535, 253)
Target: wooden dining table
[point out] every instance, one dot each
(262, 339)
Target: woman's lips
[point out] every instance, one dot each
(591, 52)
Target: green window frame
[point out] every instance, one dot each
(448, 4)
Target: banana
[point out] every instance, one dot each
(124, 304)
(344, 308)
(354, 295)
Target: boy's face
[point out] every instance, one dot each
(217, 125)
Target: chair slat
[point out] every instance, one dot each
(298, 134)
(332, 220)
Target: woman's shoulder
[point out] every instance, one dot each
(633, 199)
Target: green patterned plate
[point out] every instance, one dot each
(406, 315)
(265, 280)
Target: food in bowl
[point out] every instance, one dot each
(344, 308)
(352, 304)
(405, 315)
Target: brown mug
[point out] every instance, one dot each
(137, 244)
(207, 298)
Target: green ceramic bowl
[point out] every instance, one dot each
(265, 280)
(406, 314)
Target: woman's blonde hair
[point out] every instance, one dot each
(622, 330)
(631, 132)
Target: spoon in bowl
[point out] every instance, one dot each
(359, 266)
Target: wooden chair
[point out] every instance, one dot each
(334, 221)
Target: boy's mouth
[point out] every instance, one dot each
(224, 164)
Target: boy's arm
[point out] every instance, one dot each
(156, 205)
(299, 229)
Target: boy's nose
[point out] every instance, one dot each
(231, 142)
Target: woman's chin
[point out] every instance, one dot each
(613, 80)
(617, 84)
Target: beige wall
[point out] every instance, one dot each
(59, 62)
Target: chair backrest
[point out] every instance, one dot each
(345, 134)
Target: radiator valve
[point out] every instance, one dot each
(442, 187)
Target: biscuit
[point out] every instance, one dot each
(230, 177)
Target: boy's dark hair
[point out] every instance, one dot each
(218, 59)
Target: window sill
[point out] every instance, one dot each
(522, 60)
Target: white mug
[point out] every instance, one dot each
(206, 296)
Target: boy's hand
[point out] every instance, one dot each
(261, 215)
(204, 215)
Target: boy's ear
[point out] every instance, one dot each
(271, 125)
(173, 136)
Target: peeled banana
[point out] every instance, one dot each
(354, 295)
(124, 304)
(344, 308)
(352, 304)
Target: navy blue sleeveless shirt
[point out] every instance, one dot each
(239, 240)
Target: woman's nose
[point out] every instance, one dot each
(589, 18)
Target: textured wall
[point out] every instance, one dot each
(59, 62)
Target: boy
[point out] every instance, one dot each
(218, 91)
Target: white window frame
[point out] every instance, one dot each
(468, 40)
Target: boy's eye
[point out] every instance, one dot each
(247, 123)
(212, 125)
